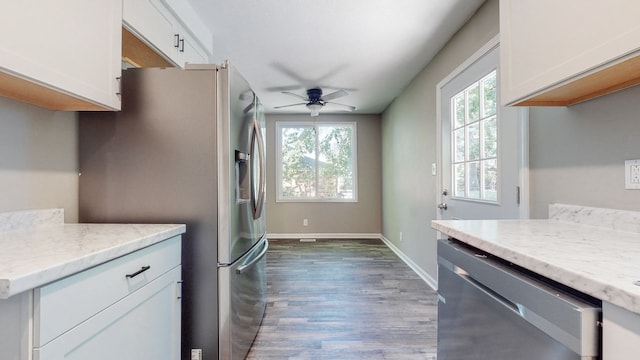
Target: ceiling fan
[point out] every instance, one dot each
(315, 101)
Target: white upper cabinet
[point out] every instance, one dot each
(173, 33)
(152, 23)
(564, 52)
(61, 55)
(189, 52)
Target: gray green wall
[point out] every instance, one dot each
(577, 153)
(361, 218)
(409, 145)
(38, 159)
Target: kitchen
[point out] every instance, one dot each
(576, 153)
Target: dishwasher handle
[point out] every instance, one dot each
(566, 318)
(547, 326)
(515, 308)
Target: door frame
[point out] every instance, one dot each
(523, 130)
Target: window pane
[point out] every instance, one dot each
(458, 110)
(490, 180)
(475, 140)
(298, 162)
(473, 172)
(458, 146)
(317, 162)
(489, 95)
(490, 133)
(473, 135)
(459, 180)
(473, 98)
(335, 164)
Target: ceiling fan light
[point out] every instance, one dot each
(314, 108)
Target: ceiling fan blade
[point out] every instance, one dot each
(284, 106)
(296, 95)
(334, 95)
(283, 88)
(346, 107)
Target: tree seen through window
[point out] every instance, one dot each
(317, 162)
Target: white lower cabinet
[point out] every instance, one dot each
(127, 308)
(620, 333)
(143, 325)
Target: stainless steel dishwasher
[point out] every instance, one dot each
(491, 309)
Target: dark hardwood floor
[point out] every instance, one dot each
(344, 299)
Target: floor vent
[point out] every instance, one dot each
(307, 240)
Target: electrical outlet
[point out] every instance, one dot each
(635, 174)
(632, 174)
(400, 235)
(196, 354)
(305, 222)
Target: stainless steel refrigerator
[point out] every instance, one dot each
(188, 147)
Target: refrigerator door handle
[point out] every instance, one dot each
(258, 194)
(242, 268)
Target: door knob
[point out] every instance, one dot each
(442, 206)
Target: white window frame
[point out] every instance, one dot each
(482, 159)
(316, 124)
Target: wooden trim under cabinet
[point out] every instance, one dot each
(616, 77)
(139, 54)
(20, 89)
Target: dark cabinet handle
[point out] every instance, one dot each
(176, 39)
(182, 45)
(142, 269)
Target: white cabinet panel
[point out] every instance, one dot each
(67, 302)
(161, 28)
(73, 48)
(620, 333)
(15, 332)
(189, 52)
(100, 313)
(546, 46)
(144, 325)
(151, 23)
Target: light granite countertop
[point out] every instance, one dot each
(37, 247)
(596, 251)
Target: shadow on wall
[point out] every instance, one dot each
(600, 132)
(36, 139)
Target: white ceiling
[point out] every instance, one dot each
(370, 48)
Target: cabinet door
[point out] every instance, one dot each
(150, 21)
(547, 44)
(188, 51)
(55, 314)
(620, 333)
(72, 47)
(143, 325)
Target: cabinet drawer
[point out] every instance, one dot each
(63, 304)
(143, 325)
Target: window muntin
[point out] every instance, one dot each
(316, 162)
(474, 141)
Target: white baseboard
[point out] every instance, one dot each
(325, 236)
(417, 269)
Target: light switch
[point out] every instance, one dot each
(632, 174)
